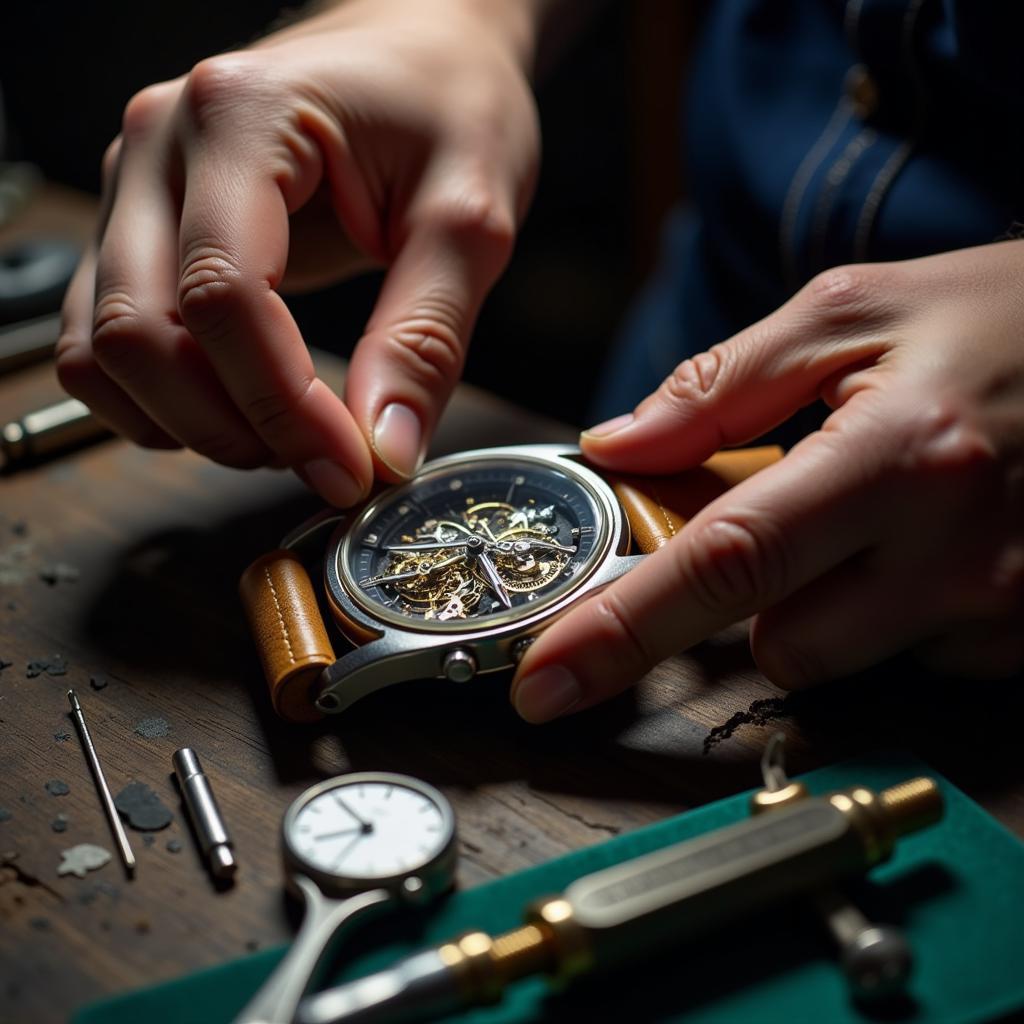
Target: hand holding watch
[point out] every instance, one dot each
(453, 573)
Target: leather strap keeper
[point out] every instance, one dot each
(289, 631)
(658, 507)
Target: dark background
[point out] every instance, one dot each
(609, 108)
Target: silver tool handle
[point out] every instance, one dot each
(46, 431)
(204, 813)
(686, 888)
(278, 999)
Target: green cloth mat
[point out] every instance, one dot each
(957, 889)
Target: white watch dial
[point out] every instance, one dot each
(369, 830)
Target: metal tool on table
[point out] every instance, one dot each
(876, 959)
(47, 432)
(28, 341)
(354, 845)
(203, 812)
(106, 799)
(802, 847)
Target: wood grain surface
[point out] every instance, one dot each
(158, 541)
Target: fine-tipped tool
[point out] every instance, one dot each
(101, 785)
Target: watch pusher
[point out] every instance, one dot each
(461, 592)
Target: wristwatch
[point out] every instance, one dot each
(455, 572)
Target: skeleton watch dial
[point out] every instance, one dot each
(461, 547)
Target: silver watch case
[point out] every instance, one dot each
(403, 652)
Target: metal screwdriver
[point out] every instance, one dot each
(625, 911)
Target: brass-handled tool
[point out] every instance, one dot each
(626, 911)
(47, 432)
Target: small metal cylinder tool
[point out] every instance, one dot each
(204, 813)
(626, 911)
(101, 784)
(46, 432)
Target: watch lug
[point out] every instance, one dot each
(613, 569)
(392, 659)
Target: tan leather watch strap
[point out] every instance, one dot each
(290, 635)
(658, 507)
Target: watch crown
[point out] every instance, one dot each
(459, 665)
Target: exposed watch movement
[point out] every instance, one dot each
(453, 573)
(468, 546)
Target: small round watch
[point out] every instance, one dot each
(454, 572)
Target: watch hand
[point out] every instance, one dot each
(494, 579)
(364, 826)
(438, 546)
(340, 832)
(550, 545)
(451, 524)
(375, 581)
(346, 849)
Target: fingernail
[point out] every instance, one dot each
(610, 426)
(333, 482)
(398, 438)
(546, 694)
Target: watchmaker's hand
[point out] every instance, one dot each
(494, 579)
(375, 133)
(898, 526)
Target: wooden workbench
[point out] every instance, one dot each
(159, 540)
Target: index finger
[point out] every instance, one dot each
(233, 251)
(759, 542)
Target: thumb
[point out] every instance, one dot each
(747, 385)
(411, 355)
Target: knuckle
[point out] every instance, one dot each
(217, 81)
(693, 379)
(841, 293)
(476, 219)
(730, 566)
(209, 289)
(118, 329)
(144, 111)
(428, 346)
(616, 631)
(267, 412)
(944, 440)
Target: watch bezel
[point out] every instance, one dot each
(356, 608)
